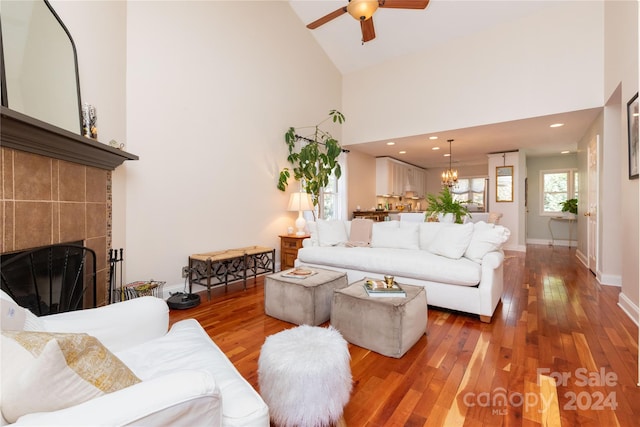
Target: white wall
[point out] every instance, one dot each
(546, 63)
(361, 186)
(101, 47)
(512, 212)
(211, 89)
(621, 83)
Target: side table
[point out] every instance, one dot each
(289, 245)
(571, 222)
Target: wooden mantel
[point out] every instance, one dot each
(25, 133)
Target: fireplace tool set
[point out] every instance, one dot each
(115, 293)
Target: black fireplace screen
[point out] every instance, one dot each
(52, 279)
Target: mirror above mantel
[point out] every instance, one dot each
(40, 75)
(40, 88)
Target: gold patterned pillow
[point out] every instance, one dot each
(45, 371)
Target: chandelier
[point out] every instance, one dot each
(450, 176)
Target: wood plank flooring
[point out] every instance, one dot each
(559, 352)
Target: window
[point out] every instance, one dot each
(557, 186)
(470, 190)
(332, 197)
(329, 199)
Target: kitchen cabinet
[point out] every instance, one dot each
(394, 178)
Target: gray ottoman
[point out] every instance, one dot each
(302, 301)
(389, 326)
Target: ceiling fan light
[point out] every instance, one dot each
(362, 9)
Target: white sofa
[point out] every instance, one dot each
(460, 265)
(184, 378)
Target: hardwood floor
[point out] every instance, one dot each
(559, 352)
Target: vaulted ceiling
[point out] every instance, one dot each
(401, 32)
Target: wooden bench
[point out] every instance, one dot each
(219, 268)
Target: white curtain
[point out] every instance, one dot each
(341, 200)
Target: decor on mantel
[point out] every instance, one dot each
(31, 135)
(89, 121)
(300, 202)
(315, 160)
(450, 176)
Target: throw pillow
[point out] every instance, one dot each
(486, 238)
(313, 233)
(403, 237)
(43, 371)
(331, 232)
(16, 318)
(452, 240)
(428, 232)
(360, 232)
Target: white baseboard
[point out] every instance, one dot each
(517, 248)
(548, 242)
(629, 308)
(609, 279)
(169, 290)
(582, 258)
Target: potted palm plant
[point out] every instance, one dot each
(443, 207)
(314, 160)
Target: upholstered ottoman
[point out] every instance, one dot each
(304, 376)
(302, 301)
(387, 325)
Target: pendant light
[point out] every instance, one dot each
(450, 176)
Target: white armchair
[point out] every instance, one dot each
(185, 378)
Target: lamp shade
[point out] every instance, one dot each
(300, 202)
(362, 9)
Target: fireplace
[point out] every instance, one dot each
(55, 188)
(52, 279)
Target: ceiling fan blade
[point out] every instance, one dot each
(404, 4)
(333, 15)
(368, 32)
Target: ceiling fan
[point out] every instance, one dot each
(363, 11)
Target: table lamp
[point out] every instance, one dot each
(300, 202)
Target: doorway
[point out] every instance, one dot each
(591, 213)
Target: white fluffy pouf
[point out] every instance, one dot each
(304, 376)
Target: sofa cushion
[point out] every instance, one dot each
(452, 240)
(187, 345)
(391, 235)
(312, 228)
(421, 265)
(331, 232)
(44, 371)
(486, 238)
(427, 232)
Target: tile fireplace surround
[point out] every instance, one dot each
(47, 199)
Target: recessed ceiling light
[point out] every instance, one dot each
(391, 143)
(433, 137)
(447, 155)
(402, 152)
(565, 152)
(556, 125)
(435, 148)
